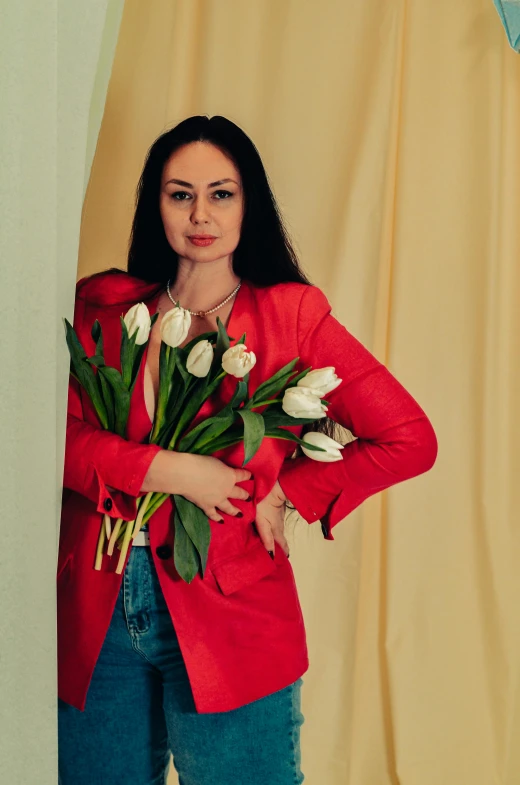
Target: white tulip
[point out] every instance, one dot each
(200, 359)
(323, 380)
(303, 402)
(137, 319)
(175, 326)
(322, 440)
(237, 361)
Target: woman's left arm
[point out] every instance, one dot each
(395, 439)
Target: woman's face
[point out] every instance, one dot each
(201, 194)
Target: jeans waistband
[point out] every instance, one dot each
(142, 538)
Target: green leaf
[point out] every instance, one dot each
(299, 376)
(180, 362)
(186, 442)
(173, 409)
(222, 345)
(165, 379)
(97, 337)
(137, 356)
(196, 525)
(121, 397)
(108, 399)
(171, 394)
(275, 415)
(131, 354)
(136, 364)
(216, 426)
(271, 386)
(126, 354)
(222, 338)
(234, 435)
(192, 400)
(185, 556)
(211, 337)
(138, 352)
(84, 373)
(240, 394)
(96, 360)
(254, 430)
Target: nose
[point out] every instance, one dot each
(200, 212)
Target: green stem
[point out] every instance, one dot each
(266, 403)
(99, 549)
(220, 444)
(156, 501)
(188, 415)
(142, 509)
(176, 434)
(160, 407)
(114, 536)
(124, 546)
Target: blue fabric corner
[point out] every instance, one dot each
(509, 11)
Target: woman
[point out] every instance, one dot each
(210, 670)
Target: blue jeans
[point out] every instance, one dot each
(140, 709)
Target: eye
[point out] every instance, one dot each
(182, 196)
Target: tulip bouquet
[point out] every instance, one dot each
(188, 376)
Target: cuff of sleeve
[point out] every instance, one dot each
(313, 488)
(122, 503)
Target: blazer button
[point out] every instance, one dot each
(107, 504)
(164, 551)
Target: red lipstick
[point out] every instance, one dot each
(201, 239)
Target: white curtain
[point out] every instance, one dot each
(55, 63)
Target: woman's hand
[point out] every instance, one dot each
(270, 517)
(204, 480)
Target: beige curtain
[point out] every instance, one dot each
(52, 58)
(390, 132)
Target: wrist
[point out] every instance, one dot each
(279, 492)
(164, 474)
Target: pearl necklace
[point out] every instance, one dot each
(203, 313)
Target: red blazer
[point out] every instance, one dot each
(240, 629)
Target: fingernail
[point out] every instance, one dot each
(271, 554)
(248, 498)
(240, 515)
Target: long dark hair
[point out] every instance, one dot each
(264, 254)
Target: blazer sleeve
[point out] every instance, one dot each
(395, 439)
(101, 465)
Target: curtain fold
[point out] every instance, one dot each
(390, 134)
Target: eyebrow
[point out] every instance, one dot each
(210, 185)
